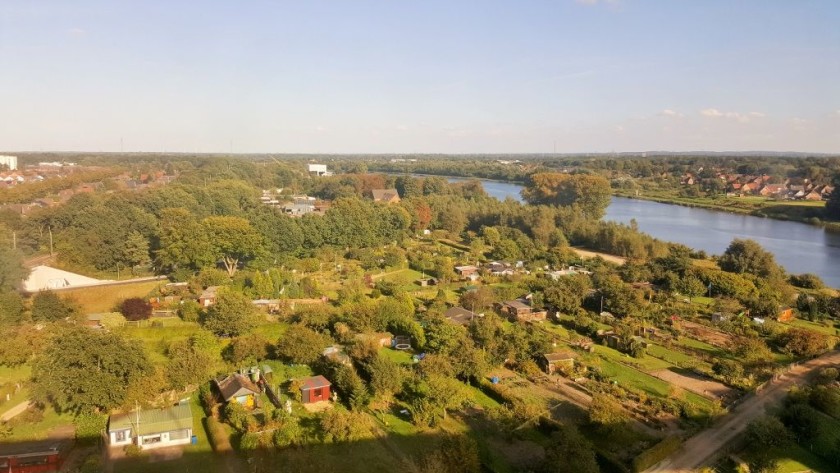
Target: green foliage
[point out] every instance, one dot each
(48, 307)
(235, 415)
(339, 425)
(300, 344)
(766, 433)
(607, 414)
(12, 269)
(591, 193)
(832, 207)
(803, 342)
(133, 450)
(89, 426)
(567, 293)
(188, 363)
(569, 452)
(656, 453)
(233, 240)
(83, 370)
(20, 344)
(11, 308)
(806, 281)
(747, 256)
(189, 311)
(233, 314)
(247, 349)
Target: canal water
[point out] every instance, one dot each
(799, 247)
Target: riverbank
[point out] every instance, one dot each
(806, 212)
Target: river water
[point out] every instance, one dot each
(800, 248)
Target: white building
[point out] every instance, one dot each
(43, 278)
(152, 428)
(319, 169)
(10, 161)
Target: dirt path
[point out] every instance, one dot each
(698, 450)
(586, 254)
(14, 411)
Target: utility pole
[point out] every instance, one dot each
(51, 240)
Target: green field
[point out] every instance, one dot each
(814, 326)
(677, 358)
(106, 298)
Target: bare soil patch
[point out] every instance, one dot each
(705, 387)
(706, 334)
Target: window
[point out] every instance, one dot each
(179, 434)
(120, 435)
(317, 392)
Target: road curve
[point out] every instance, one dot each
(702, 447)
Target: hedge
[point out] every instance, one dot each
(656, 453)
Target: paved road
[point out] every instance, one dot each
(705, 445)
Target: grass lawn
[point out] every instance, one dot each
(703, 347)
(157, 339)
(272, 331)
(37, 430)
(626, 376)
(702, 300)
(403, 357)
(795, 459)
(677, 358)
(106, 298)
(9, 374)
(813, 326)
(647, 363)
(481, 399)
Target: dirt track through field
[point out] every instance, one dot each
(705, 446)
(705, 387)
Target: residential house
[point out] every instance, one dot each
(208, 297)
(460, 316)
(34, 456)
(388, 196)
(564, 361)
(240, 388)
(152, 428)
(319, 169)
(813, 195)
(315, 389)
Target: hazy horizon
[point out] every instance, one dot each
(568, 76)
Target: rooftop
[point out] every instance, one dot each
(315, 382)
(152, 421)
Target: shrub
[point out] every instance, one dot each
(136, 308)
(657, 453)
(133, 450)
(88, 427)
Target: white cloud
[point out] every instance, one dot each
(741, 117)
(671, 113)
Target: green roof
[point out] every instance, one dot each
(153, 421)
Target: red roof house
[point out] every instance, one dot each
(315, 389)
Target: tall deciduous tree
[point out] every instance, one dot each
(832, 207)
(83, 370)
(233, 240)
(591, 193)
(48, 307)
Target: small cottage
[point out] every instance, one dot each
(208, 297)
(152, 428)
(315, 389)
(564, 360)
(34, 456)
(460, 316)
(239, 388)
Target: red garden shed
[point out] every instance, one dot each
(315, 389)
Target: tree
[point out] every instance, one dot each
(386, 377)
(567, 293)
(803, 342)
(136, 308)
(607, 414)
(569, 452)
(20, 343)
(183, 241)
(12, 269)
(190, 361)
(832, 207)
(83, 370)
(591, 193)
(751, 350)
(233, 240)
(48, 307)
(11, 308)
(233, 314)
(747, 256)
(690, 286)
(300, 344)
(767, 432)
(136, 251)
(247, 349)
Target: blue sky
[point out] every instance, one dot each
(420, 76)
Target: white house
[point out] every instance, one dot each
(10, 161)
(152, 428)
(319, 169)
